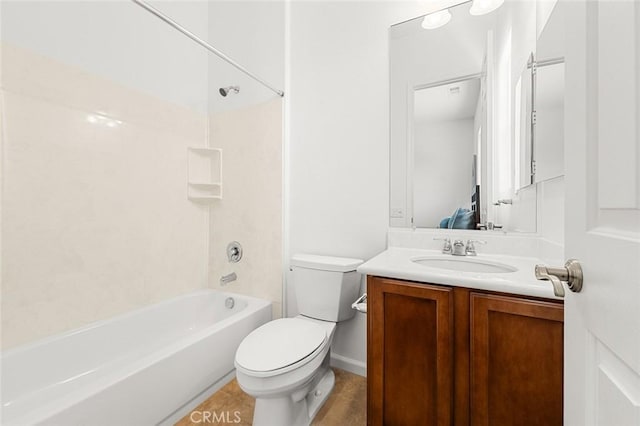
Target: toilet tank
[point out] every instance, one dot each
(325, 286)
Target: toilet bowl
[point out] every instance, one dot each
(284, 364)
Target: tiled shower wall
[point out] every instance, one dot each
(95, 219)
(250, 211)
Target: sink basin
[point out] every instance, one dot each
(464, 264)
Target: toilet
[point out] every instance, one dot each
(284, 364)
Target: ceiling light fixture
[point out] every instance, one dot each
(482, 7)
(436, 19)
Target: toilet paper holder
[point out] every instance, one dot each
(360, 304)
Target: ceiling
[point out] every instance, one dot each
(454, 101)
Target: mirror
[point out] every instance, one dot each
(446, 119)
(539, 144)
(523, 134)
(548, 102)
(453, 117)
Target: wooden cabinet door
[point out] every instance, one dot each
(516, 361)
(410, 350)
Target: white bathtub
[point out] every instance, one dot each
(136, 369)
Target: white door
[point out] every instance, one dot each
(602, 322)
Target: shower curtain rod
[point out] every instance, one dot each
(206, 45)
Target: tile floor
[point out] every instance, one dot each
(346, 405)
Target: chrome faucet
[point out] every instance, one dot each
(470, 250)
(226, 279)
(458, 248)
(489, 226)
(446, 248)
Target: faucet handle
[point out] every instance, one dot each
(470, 250)
(446, 248)
(476, 241)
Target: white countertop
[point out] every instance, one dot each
(395, 262)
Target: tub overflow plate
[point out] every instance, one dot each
(229, 303)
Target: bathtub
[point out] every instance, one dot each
(140, 368)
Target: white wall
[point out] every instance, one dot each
(252, 34)
(551, 211)
(338, 137)
(443, 158)
(120, 41)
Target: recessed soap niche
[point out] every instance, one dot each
(204, 168)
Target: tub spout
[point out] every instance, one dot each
(226, 279)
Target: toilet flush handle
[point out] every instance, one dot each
(360, 304)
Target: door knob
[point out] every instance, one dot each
(571, 273)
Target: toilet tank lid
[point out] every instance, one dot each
(325, 263)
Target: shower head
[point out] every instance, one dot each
(224, 91)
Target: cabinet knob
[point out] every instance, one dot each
(571, 273)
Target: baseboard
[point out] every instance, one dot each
(173, 418)
(349, 364)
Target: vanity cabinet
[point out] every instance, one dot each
(440, 355)
(516, 361)
(409, 357)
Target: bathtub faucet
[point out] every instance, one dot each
(226, 279)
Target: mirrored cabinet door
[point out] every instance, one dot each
(549, 99)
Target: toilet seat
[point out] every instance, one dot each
(280, 346)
